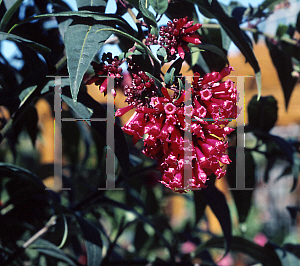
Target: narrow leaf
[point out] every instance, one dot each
(154, 31)
(162, 54)
(268, 3)
(115, 204)
(130, 37)
(226, 41)
(8, 14)
(200, 205)
(169, 76)
(214, 49)
(231, 26)
(81, 110)
(258, 83)
(143, 8)
(88, 16)
(217, 202)
(43, 50)
(287, 258)
(81, 51)
(121, 148)
(295, 249)
(265, 255)
(47, 248)
(159, 6)
(283, 64)
(93, 241)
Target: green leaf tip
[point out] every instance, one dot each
(258, 83)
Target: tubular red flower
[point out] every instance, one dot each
(170, 108)
(193, 40)
(103, 87)
(205, 94)
(193, 28)
(180, 51)
(123, 110)
(164, 120)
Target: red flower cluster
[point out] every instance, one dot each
(140, 83)
(175, 37)
(112, 69)
(163, 122)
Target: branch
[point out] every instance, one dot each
(30, 98)
(31, 240)
(253, 30)
(23, 106)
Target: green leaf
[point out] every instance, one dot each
(200, 205)
(281, 30)
(173, 71)
(88, 16)
(81, 110)
(162, 54)
(93, 241)
(226, 41)
(214, 49)
(81, 51)
(169, 76)
(198, 60)
(31, 124)
(230, 25)
(283, 64)
(287, 258)
(140, 49)
(43, 50)
(121, 148)
(130, 37)
(143, 8)
(268, 4)
(159, 6)
(181, 87)
(258, 83)
(8, 14)
(47, 248)
(14, 171)
(266, 255)
(218, 204)
(105, 201)
(255, 35)
(154, 31)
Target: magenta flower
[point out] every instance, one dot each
(102, 70)
(175, 37)
(162, 122)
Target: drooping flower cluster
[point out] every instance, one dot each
(164, 121)
(176, 35)
(102, 70)
(184, 129)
